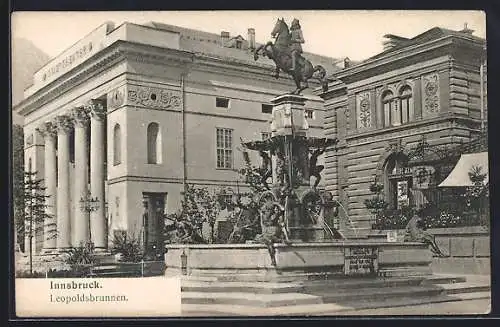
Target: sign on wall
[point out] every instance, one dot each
(403, 198)
(359, 261)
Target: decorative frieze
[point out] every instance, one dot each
(96, 108)
(363, 110)
(116, 98)
(152, 97)
(430, 94)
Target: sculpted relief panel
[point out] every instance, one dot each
(144, 96)
(363, 110)
(430, 95)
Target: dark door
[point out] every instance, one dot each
(153, 220)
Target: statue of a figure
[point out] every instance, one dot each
(266, 170)
(416, 232)
(273, 227)
(246, 225)
(185, 232)
(315, 169)
(286, 52)
(296, 40)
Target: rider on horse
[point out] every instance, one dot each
(296, 39)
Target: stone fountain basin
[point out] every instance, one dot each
(299, 259)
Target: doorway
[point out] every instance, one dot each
(153, 223)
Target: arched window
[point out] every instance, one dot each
(117, 144)
(387, 102)
(154, 144)
(406, 104)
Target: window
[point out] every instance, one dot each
(238, 44)
(224, 148)
(222, 103)
(310, 114)
(387, 99)
(117, 155)
(265, 135)
(398, 109)
(30, 167)
(267, 109)
(406, 105)
(117, 203)
(154, 144)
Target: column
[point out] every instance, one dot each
(64, 126)
(49, 132)
(97, 153)
(80, 223)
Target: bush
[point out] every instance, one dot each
(128, 246)
(79, 258)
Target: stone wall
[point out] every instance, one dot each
(467, 249)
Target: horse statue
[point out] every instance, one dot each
(281, 53)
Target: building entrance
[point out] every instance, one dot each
(153, 223)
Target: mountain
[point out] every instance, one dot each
(26, 60)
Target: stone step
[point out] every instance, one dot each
(372, 294)
(273, 288)
(321, 309)
(249, 299)
(466, 287)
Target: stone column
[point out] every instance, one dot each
(80, 222)
(49, 132)
(97, 152)
(64, 126)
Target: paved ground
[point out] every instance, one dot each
(446, 308)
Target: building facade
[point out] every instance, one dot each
(427, 92)
(130, 114)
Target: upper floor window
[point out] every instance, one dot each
(117, 154)
(406, 104)
(387, 103)
(398, 108)
(310, 114)
(154, 144)
(224, 148)
(267, 109)
(221, 102)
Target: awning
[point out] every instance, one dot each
(459, 176)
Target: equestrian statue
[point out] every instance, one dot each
(286, 52)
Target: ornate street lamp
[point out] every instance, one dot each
(89, 204)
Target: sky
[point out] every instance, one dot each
(338, 34)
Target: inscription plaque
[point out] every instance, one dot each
(360, 261)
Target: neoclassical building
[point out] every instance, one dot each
(130, 114)
(423, 93)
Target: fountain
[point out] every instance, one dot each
(295, 241)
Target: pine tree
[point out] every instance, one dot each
(35, 213)
(18, 181)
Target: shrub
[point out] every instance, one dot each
(128, 246)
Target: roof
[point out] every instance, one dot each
(429, 35)
(211, 44)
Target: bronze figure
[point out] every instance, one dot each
(286, 52)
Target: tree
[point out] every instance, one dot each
(35, 215)
(477, 195)
(18, 180)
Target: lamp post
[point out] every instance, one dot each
(89, 204)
